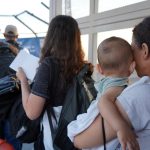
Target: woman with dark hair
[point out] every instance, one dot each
(133, 103)
(61, 59)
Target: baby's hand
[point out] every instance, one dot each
(127, 139)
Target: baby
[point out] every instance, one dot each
(116, 64)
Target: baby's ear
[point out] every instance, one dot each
(132, 67)
(99, 69)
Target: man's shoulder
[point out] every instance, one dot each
(142, 82)
(137, 91)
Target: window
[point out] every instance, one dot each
(25, 12)
(76, 8)
(123, 33)
(105, 5)
(84, 40)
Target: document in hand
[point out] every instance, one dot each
(28, 62)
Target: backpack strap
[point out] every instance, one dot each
(50, 111)
(53, 130)
(83, 71)
(84, 78)
(53, 78)
(104, 134)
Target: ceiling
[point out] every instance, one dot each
(31, 17)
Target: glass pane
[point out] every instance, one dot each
(11, 20)
(76, 8)
(123, 33)
(104, 5)
(84, 40)
(25, 11)
(37, 26)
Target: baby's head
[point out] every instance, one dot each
(115, 57)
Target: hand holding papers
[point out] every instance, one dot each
(28, 62)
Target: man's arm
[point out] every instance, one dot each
(85, 139)
(93, 136)
(14, 49)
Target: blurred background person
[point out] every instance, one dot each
(9, 48)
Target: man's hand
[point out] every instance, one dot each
(14, 49)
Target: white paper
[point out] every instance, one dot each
(28, 62)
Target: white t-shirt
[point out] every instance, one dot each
(47, 136)
(135, 100)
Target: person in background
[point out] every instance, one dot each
(62, 57)
(9, 48)
(133, 103)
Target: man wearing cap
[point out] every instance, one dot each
(8, 50)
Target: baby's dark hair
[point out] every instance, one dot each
(113, 52)
(141, 33)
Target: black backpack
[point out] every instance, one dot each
(24, 129)
(9, 89)
(11, 109)
(78, 98)
(7, 58)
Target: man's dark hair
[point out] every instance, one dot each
(141, 33)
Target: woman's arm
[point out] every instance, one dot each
(32, 104)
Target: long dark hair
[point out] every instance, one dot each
(63, 42)
(141, 33)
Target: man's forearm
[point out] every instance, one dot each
(14, 49)
(92, 136)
